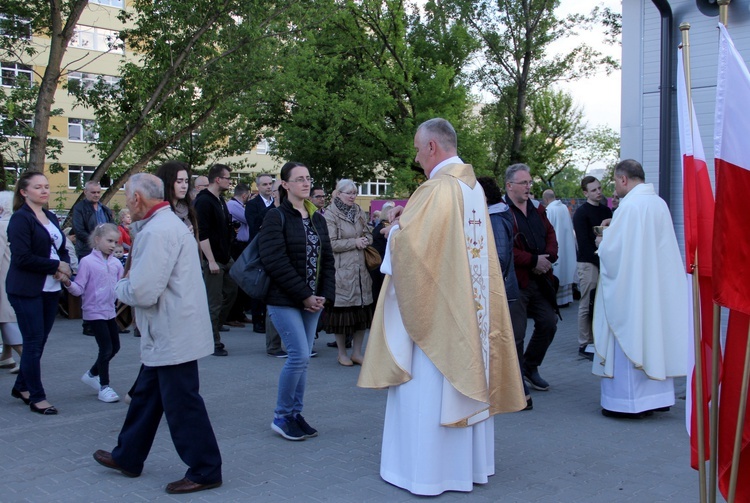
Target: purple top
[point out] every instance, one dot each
(95, 282)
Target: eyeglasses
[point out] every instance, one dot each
(302, 179)
(319, 196)
(527, 183)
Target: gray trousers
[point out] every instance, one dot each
(221, 291)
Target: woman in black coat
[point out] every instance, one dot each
(296, 253)
(38, 261)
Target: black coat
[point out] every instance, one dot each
(255, 212)
(84, 223)
(29, 253)
(283, 253)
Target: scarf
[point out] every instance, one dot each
(350, 212)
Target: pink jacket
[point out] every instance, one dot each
(96, 281)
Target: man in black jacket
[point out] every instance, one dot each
(87, 214)
(534, 252)
(255, 211)
(215, 235)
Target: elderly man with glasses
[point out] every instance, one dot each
(534, 252)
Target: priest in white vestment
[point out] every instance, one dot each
(640, 312)
(565, 268)
(441, 339)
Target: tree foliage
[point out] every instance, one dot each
(192, 91)
(353, 90)
(517, 62)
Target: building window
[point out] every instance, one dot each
(79, 175)
(262, 147)
(11, 173)
(96, 39)
(15, 73)
(11, 26)
(111, 3)
(16, 127)
(82, 130)
(377, 187)
(86, 81)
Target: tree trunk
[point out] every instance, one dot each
(59, 38)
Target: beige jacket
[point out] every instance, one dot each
(165, 289)
(7, 314)
(353, 281)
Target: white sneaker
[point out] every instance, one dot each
(108, 395)
(92, 381)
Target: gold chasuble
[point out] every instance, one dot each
(451, 303)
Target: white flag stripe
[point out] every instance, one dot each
(731, 144)
(689, 145)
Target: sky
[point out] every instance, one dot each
(598, 96)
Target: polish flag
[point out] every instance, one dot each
(731, 250)
(698, 208)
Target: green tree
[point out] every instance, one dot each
(55, 19)
(517, 61)
(193, 89)
(353, 90)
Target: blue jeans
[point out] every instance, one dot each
(35, 318)
(297, 330)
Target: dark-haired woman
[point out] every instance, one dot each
(296, 254)
(176, 178)
(38, 261)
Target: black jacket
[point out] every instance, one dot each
(284, 257)
(84, 223)
(255, 212)
(214, 224)
(29, 253)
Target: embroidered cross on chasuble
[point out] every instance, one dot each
(475, 230)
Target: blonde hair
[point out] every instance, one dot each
(100, 231)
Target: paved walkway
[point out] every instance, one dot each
(562, 451)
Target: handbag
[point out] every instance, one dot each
(372, 258)
(248, 271)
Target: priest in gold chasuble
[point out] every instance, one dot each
(441, 340)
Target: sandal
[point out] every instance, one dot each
(346, 363)
(356, 361)
(8, 363)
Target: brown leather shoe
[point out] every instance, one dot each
(188, 486)
(104, 458)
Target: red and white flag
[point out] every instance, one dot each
(731, 250)
(698, 208)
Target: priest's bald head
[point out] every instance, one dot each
(435, 142)
(628, 174)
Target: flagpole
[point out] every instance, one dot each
(698, 347)
(714, 421)
(740, 422)
(723, 11)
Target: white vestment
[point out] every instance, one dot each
(418, 453)
(565, 267)
(640, 312)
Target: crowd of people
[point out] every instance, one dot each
(464, 266)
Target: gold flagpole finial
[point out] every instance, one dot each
(723, 11)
